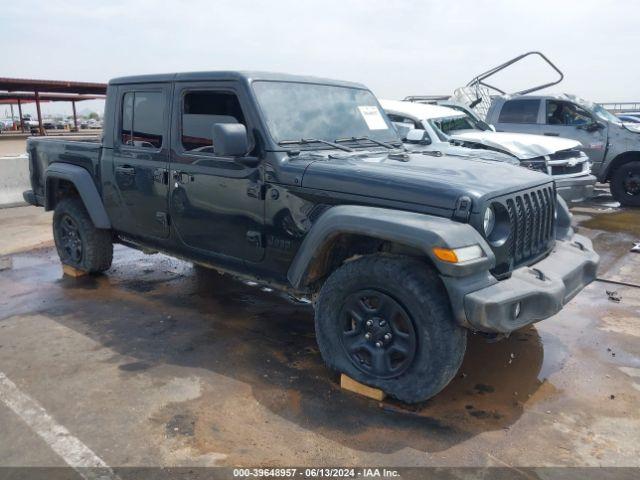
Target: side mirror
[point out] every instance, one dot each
(230, 139)
(591, 127)
(418, 136)
(402, 129)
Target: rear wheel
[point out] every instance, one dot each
(625, 184)
(386, 321)
(79, 243)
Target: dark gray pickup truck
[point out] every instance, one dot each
(303, 184)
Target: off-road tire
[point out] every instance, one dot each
(415, 286)
(96, 244)
(617, 184)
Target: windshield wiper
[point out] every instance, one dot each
(373, 140)
(304, 141)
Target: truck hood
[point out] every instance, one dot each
(632, 127)
(522, 145)
(435, 182)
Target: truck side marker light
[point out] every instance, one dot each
(458, 255)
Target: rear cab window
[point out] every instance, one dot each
(520, 111)
(142, 122)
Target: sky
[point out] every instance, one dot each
(396, 48)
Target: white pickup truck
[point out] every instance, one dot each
(438, 128)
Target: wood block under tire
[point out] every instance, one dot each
(351, 385)
(73, 271)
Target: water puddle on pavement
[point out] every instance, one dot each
(624, 220)
(157, 311)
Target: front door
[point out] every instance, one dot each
(566, 119)
(216, 204)
(141, 161)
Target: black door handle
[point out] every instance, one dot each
(126, 170)
(161, 175)
(182, 177)
(551, 134)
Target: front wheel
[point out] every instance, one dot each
(386, 321)
(625, 184)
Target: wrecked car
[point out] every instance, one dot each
(612, 145)
(303, 184)
(442, 128)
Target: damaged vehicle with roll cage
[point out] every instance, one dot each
(303, 184)
(613, 146)
(445, 126)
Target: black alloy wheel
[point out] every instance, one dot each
(377, 334)
(70, 239)
(631, 183)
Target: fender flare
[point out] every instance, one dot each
(416, 230)
(618, 161)
(84, 183)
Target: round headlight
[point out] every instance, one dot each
(489, 221)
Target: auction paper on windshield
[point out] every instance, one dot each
(372, 116)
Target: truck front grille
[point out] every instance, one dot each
(565, 154)
(531, 215)
(566, 169)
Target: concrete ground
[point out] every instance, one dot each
(160, 364)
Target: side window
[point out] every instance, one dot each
(142, 119)
(200, 110)
(400, 119)
(404, 124)
(565, 113)
(519, 111)
(126, 137)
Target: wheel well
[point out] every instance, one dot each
(57, 189)
(346, 247)
(620, 160)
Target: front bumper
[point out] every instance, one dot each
(575, 189)
(541, 290)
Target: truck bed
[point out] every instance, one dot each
(78, 150)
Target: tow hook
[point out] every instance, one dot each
(538, 274)
(578, 245)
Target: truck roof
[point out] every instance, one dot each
(245, 76)
(419, 111)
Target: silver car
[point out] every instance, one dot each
(612, 145)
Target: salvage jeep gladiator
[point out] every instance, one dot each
(303, 184)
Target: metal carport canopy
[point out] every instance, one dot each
(41, 88)
(52, 86)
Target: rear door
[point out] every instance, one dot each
(566, 119)
(141, 160)
(217, 204)
(520, 115)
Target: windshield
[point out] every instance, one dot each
(296, 111)
(451, 125)
(605, 115)
(600, 112)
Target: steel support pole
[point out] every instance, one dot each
(40, 127)
(19, 113)
(75, 117)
